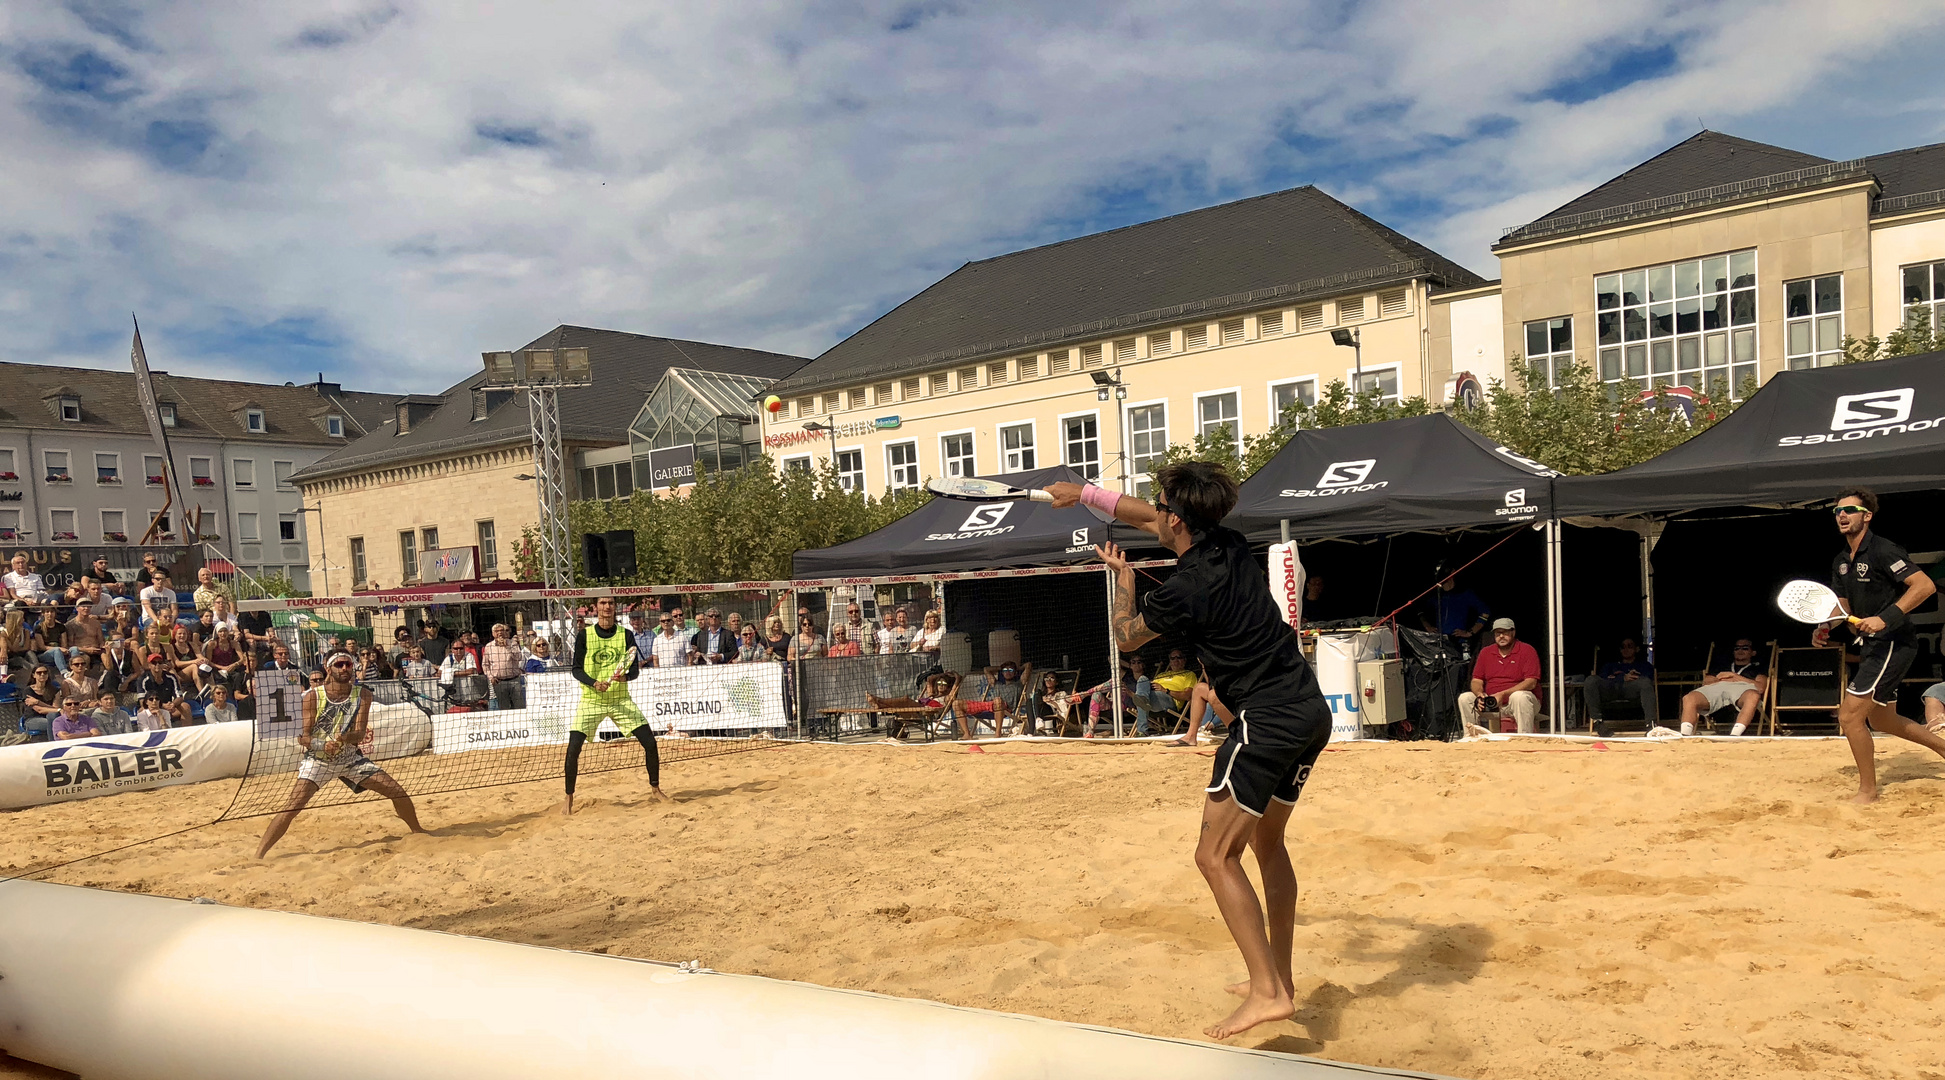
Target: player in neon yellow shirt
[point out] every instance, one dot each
(604, 662)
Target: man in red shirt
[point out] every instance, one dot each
(1503, 680)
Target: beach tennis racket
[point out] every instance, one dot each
(973, 489)
(1811, 602)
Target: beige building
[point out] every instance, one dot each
(444, 471)
(1716, 261)
(1212, 320)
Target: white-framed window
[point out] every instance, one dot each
(901, 464)
(1549, 349)
(1147, 442)
(1382, 379)
(243, 472)
(800, 463)
(429, 538)
(9, 524)
(1219, 411)
(253, 420)
(55, 466)
(199, 472)
(956, 455)
(61, 526)
(152, 473)
(287, 528)
(108, 468)
(114, 523)
(850, 468)
(489, 548)
(1293, 392)
(282, 471)
(1692, 323)
(168, 411)
(162, 522)
(1080, 438)
(358, 575)
(248, 530)
(1016, 447)
(334, 426)
(1924, 291)
(8, 465)
(408, 553)
(71, 411)
(1813, 321)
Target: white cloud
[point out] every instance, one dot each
(405, 184)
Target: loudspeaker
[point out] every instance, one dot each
(621, 553)
(594, 554)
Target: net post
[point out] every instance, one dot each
(1114, 655)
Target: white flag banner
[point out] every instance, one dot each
(1286, 583)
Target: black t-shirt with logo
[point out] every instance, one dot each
(1218, 603)
(1874, 579)
(1748, 671)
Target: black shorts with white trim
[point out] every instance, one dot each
(1881, 666)
(1270, 752)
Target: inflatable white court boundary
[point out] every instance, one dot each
(1509, 736)
(117, 985)
(34, 774)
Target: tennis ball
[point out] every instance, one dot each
(772, 403)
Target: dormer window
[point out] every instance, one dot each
(71, 409)
(334, 426)
(253, 420)
(168, 410)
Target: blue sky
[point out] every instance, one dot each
(381, 189)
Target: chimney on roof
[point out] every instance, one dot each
(326, 389)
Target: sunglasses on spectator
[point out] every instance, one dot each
(1841, 510)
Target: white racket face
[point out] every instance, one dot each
(975, 489)
(1808, 602)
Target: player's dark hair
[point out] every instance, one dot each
(1865, 497)
(1201, 493)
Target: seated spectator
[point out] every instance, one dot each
(1149, 699)
(1455, 612)
(996, 697)
(841, 643)
(669, 648)
(938, 693)
(279, 659)
(711, 644)
(100, 574)
(71, 723)
(1934, 700)
(81, 680)
(808, 644)
(255, 631)
(22, 585)
(1204, 703)
(40, 700)
(897, 635)
(1631, 678)
(539, 658)
(220, 614)
(209, 589)
(224, 663)
(1740, 685)
(110, 717)
(219, 710)
(1051, 704)
(186, 653)
(83, 633)
(159, 602)
(929, 639)
(153, 715)
(123, 611)
(1178, 680)
(44, 634)
(121, 662)
(160, 680)
(1503, 679)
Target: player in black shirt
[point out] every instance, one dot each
(1218, 602)
(1874, 578)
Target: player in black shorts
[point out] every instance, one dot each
(1218, 601)
(1874, 578)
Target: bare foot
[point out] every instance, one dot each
(567, 808)
(1251, 1012)
(1864, 798)
(1241, 989)
(1186, 740)
(660, 794)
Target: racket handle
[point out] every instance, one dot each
(1039, 495)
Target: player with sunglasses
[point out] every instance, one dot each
(1218, 602)
(337, 718)
(1874, 578)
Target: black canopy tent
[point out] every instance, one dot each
(948, 534)
(1879, 425)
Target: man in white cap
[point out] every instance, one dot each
(1503, 680)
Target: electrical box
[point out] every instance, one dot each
(1381, 691)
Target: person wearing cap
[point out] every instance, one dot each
(1503, 680)
(711, 644)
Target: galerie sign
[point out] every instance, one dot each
(672, 466)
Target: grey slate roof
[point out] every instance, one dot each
(1284, 245)
(205, 408)
(1908, 175)
(626, 369)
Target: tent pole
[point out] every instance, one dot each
(1650, 536)
(1556, 690)
(1285, 522)
(1114, 655)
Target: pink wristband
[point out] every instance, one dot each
(1099, 498)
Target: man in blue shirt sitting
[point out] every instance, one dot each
(1632, 678)
(1454, 612)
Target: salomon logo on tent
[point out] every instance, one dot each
(1340, 478)
(1866, 416)
(983, 521)
(1516, 504)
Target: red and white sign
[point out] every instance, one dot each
(1286, 583)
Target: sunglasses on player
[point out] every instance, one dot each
(1842, 510)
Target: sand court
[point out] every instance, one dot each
(1480, 910)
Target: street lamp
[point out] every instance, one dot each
(830, 429)
(1349, 339)
(323, 547)
(1105, 386)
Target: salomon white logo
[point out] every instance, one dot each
(1516, 504)
(1869, 410)
(1516, 497)
(1080, 536)
(1866, 416)
(986, 516)
(1340, 478)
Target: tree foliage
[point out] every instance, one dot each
(741, 525)
(1917, 335)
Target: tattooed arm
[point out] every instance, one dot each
(1130, 629)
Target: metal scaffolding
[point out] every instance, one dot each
(542, 373)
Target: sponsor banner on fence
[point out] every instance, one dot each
(33, 774)
(716, 697)
(1286, 583)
